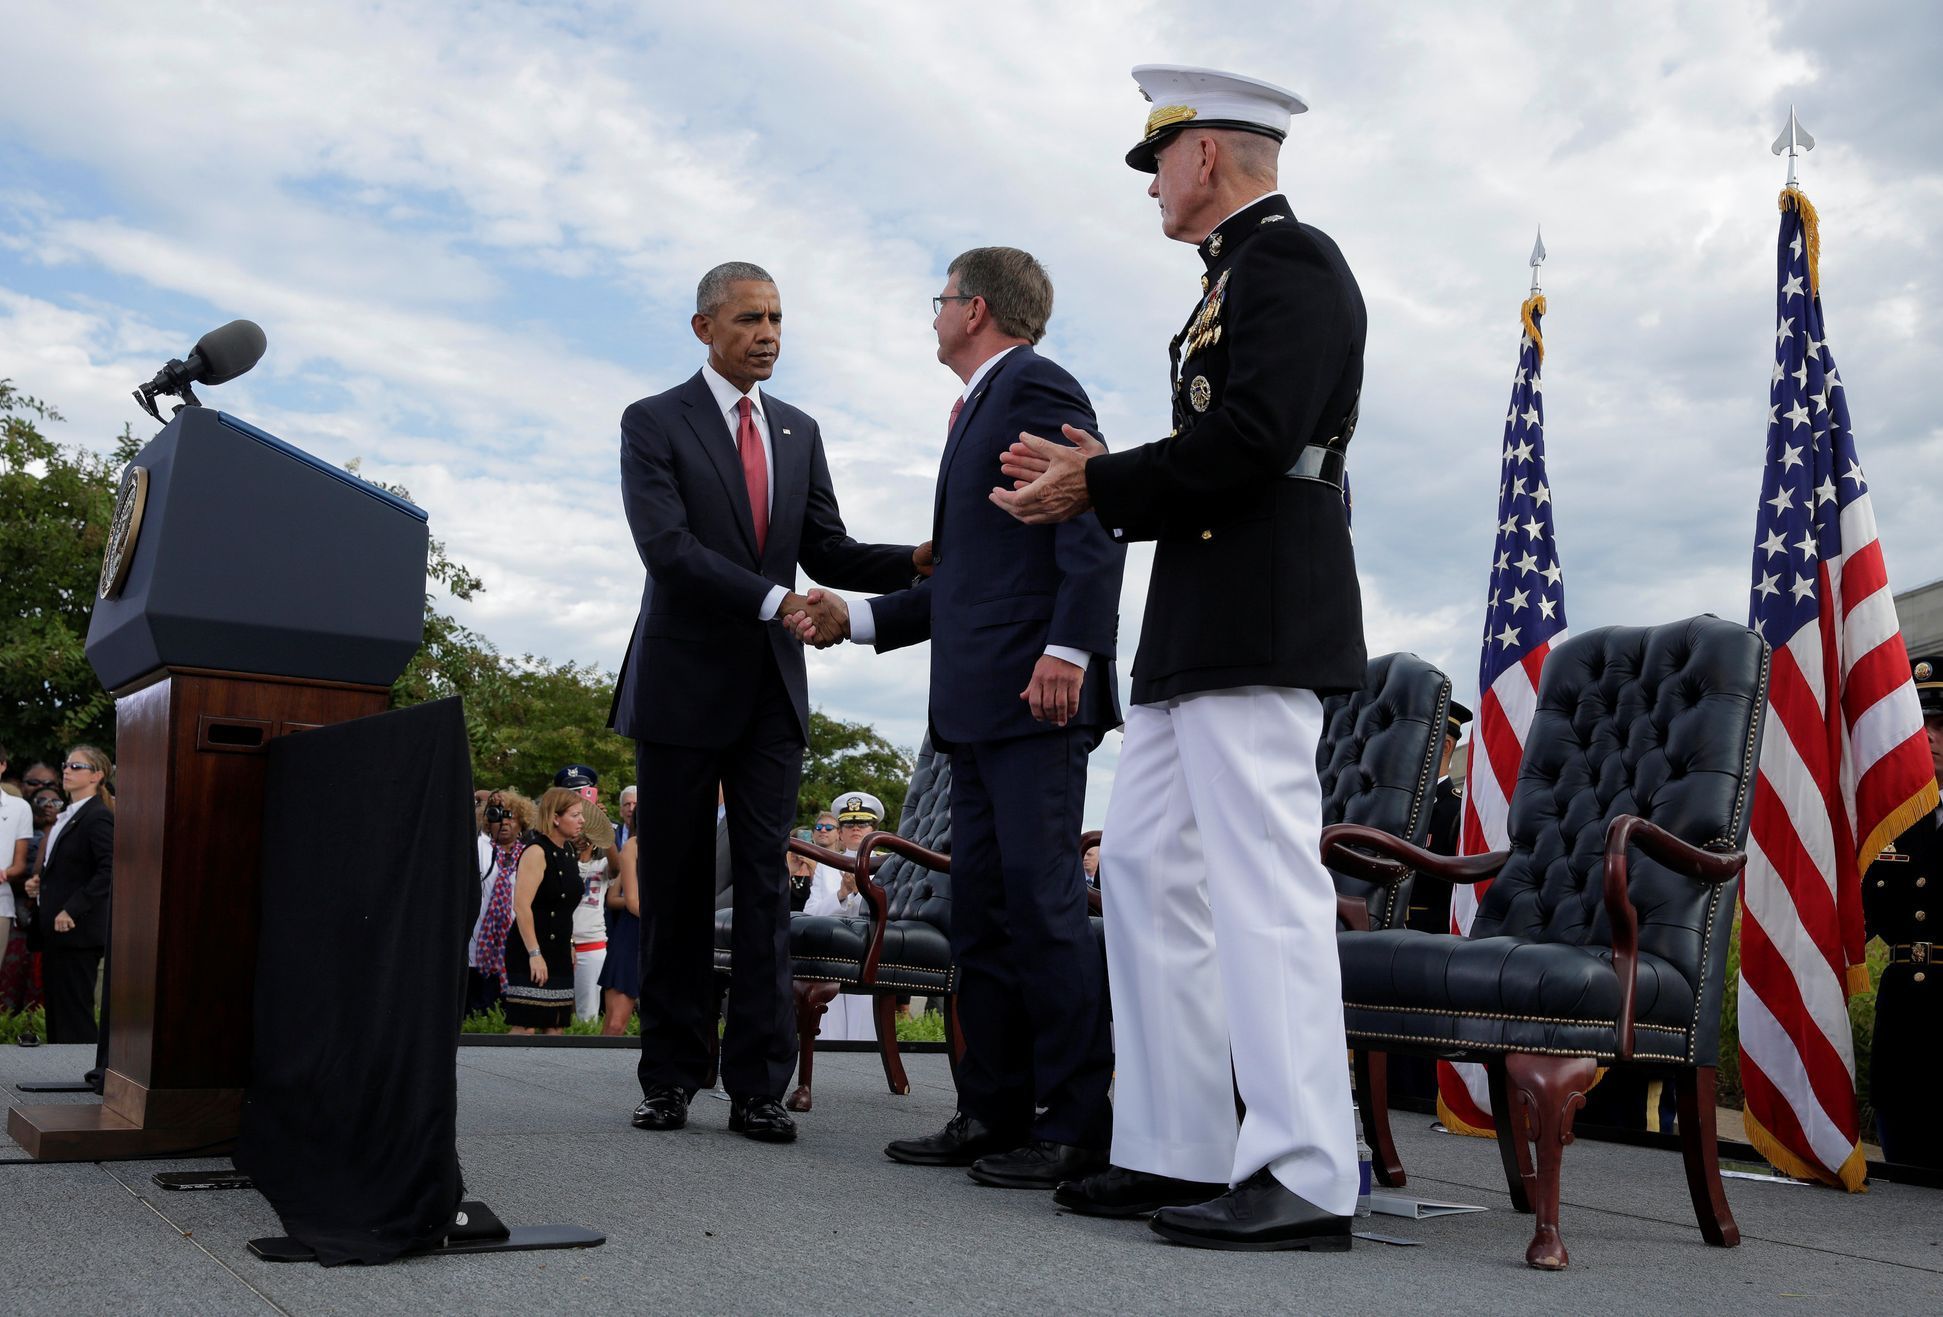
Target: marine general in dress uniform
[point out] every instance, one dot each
(1902, 903)
(1220, 919)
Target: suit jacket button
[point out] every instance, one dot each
(1919, 976)
(1207, 534)
(1922, 882)
(1921, 915)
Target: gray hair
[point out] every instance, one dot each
(1014, 285)
(713, 290)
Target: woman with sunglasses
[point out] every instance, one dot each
(72, 881)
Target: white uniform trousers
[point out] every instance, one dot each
(1221, 941)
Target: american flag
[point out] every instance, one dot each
(1523, 616)
(1844, 765)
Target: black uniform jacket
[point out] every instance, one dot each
(1254, 580)
(1902, 903)
(77, 878)
(698, 648)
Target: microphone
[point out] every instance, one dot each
(218, 357)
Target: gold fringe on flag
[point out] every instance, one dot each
(1533, 308)
(1793, 198)
(1852, 1175)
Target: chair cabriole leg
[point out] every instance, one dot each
(1551, 1089)
(813, 997)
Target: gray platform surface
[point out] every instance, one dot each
(704, 1221)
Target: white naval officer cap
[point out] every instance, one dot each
(857, 807)
(1208, 98)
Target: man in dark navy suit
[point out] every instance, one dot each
(726, 491)
(1022, 622)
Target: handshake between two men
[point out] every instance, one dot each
(822, 618)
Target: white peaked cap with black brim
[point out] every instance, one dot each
(1208, 98)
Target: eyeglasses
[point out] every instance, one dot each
(80, 766)
(938, 303)
(826, 827)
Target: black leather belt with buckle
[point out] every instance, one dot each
(1317, 462)
(1911, 953)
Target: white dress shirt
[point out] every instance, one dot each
(728, 401)
(863, 625)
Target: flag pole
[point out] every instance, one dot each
(1537, 259)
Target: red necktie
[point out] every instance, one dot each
(952, 424)
(755, 471)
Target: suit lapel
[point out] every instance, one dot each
(712, 434)
(958, 432)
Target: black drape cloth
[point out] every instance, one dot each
(370, 885)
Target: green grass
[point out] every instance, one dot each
(15, 1023)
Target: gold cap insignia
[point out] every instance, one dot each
(1200, 393)
(1166, 116)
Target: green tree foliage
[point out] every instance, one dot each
(56, 502)
(851, 757)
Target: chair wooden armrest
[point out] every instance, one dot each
(1375, 856)
(874, 894)
(1353, 912)
(1623, 833)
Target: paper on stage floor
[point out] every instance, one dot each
(1416, 1209)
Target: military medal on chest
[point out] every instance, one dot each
(1205, 332)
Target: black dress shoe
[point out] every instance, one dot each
(962, 1141)
(664, 1108)
(1257, 1215)
(762, 1119)
(1117, 1191)
(1037, 1165)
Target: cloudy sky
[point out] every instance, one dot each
(472, 233)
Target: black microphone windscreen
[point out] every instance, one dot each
(228, 352)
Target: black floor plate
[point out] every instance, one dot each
(523, 1239)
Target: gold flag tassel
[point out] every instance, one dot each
(1533, 308)
(1793, 198)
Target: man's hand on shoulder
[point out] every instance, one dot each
(1053, 692)
(1049, 479)
(820, 618)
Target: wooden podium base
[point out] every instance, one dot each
(191, 746)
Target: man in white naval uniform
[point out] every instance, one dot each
(1220, 918)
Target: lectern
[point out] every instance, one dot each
(248, 591)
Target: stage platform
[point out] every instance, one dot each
(704, 1221)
